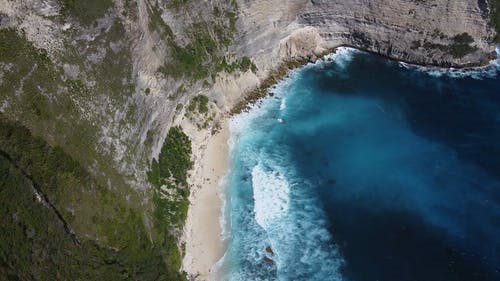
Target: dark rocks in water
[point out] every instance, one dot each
(311, 59)
(269, 255)
(269, 260)
(269, 250)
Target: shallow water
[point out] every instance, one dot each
(361, 169)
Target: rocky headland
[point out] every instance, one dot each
(103, 84)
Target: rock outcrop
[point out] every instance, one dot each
(269, 32)
(102, 82)
(400, 28)
(420, 32)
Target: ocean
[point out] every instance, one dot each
(364, 169)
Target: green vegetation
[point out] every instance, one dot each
(174, 160)
(37, 93)
(191, 60)
(108, 78)
(28, 62)
(156, 23)
(204, 55)
(130, 9)
(460, 44)
(198, 104)
(107, 216)
(116, 66)
(198, 112)
(86, 11)
(246, 63)
(168, 175)
(90, 224)
(176, 4)
(34, 243)
(495, 17)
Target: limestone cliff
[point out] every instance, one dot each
(416, 31)
(101, 82)
(406, 30)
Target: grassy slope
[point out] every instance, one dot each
(204, 56)
(85, 11)
(107, 216)
(124, 234)
(34, 244)
(168, 175)
(495, 17)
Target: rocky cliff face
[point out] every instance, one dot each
(162, 44)
(405, 29)
(421, 32)
(104, 80)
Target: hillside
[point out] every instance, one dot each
(99, 100)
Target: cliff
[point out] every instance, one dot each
(100, 83)
(422, 32)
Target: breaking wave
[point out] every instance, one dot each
(271, 196)
(489, 71)
(330, 172)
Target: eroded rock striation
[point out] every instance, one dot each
(432, 32)
(100, 84)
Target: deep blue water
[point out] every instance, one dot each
(365, 169)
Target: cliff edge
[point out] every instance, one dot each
(104, 103)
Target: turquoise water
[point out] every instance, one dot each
(361, 169)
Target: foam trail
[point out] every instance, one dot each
(342, 56)
(223, 221)
(283, 104)
(278, 213)
(271, 196)
(344, 165)
(478, 73)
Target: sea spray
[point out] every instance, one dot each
(488, 71)
(288, 242)
(359, 168)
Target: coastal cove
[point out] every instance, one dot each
(368, 153)
(249, 140)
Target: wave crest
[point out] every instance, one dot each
(271, 196)
(478, 73)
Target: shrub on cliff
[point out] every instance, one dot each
(495, 17)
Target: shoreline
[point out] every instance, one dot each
(445, 65)
(204, 245)
(286, 66)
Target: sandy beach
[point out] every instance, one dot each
(202, 232)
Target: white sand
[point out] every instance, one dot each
(202, 232)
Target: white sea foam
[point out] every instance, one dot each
(342, 56)
(224, 214)
(489, 71)
(344, 52)
(271, 196)
(241, 123)
(289, 219)
(298, 235)
(283, 104)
